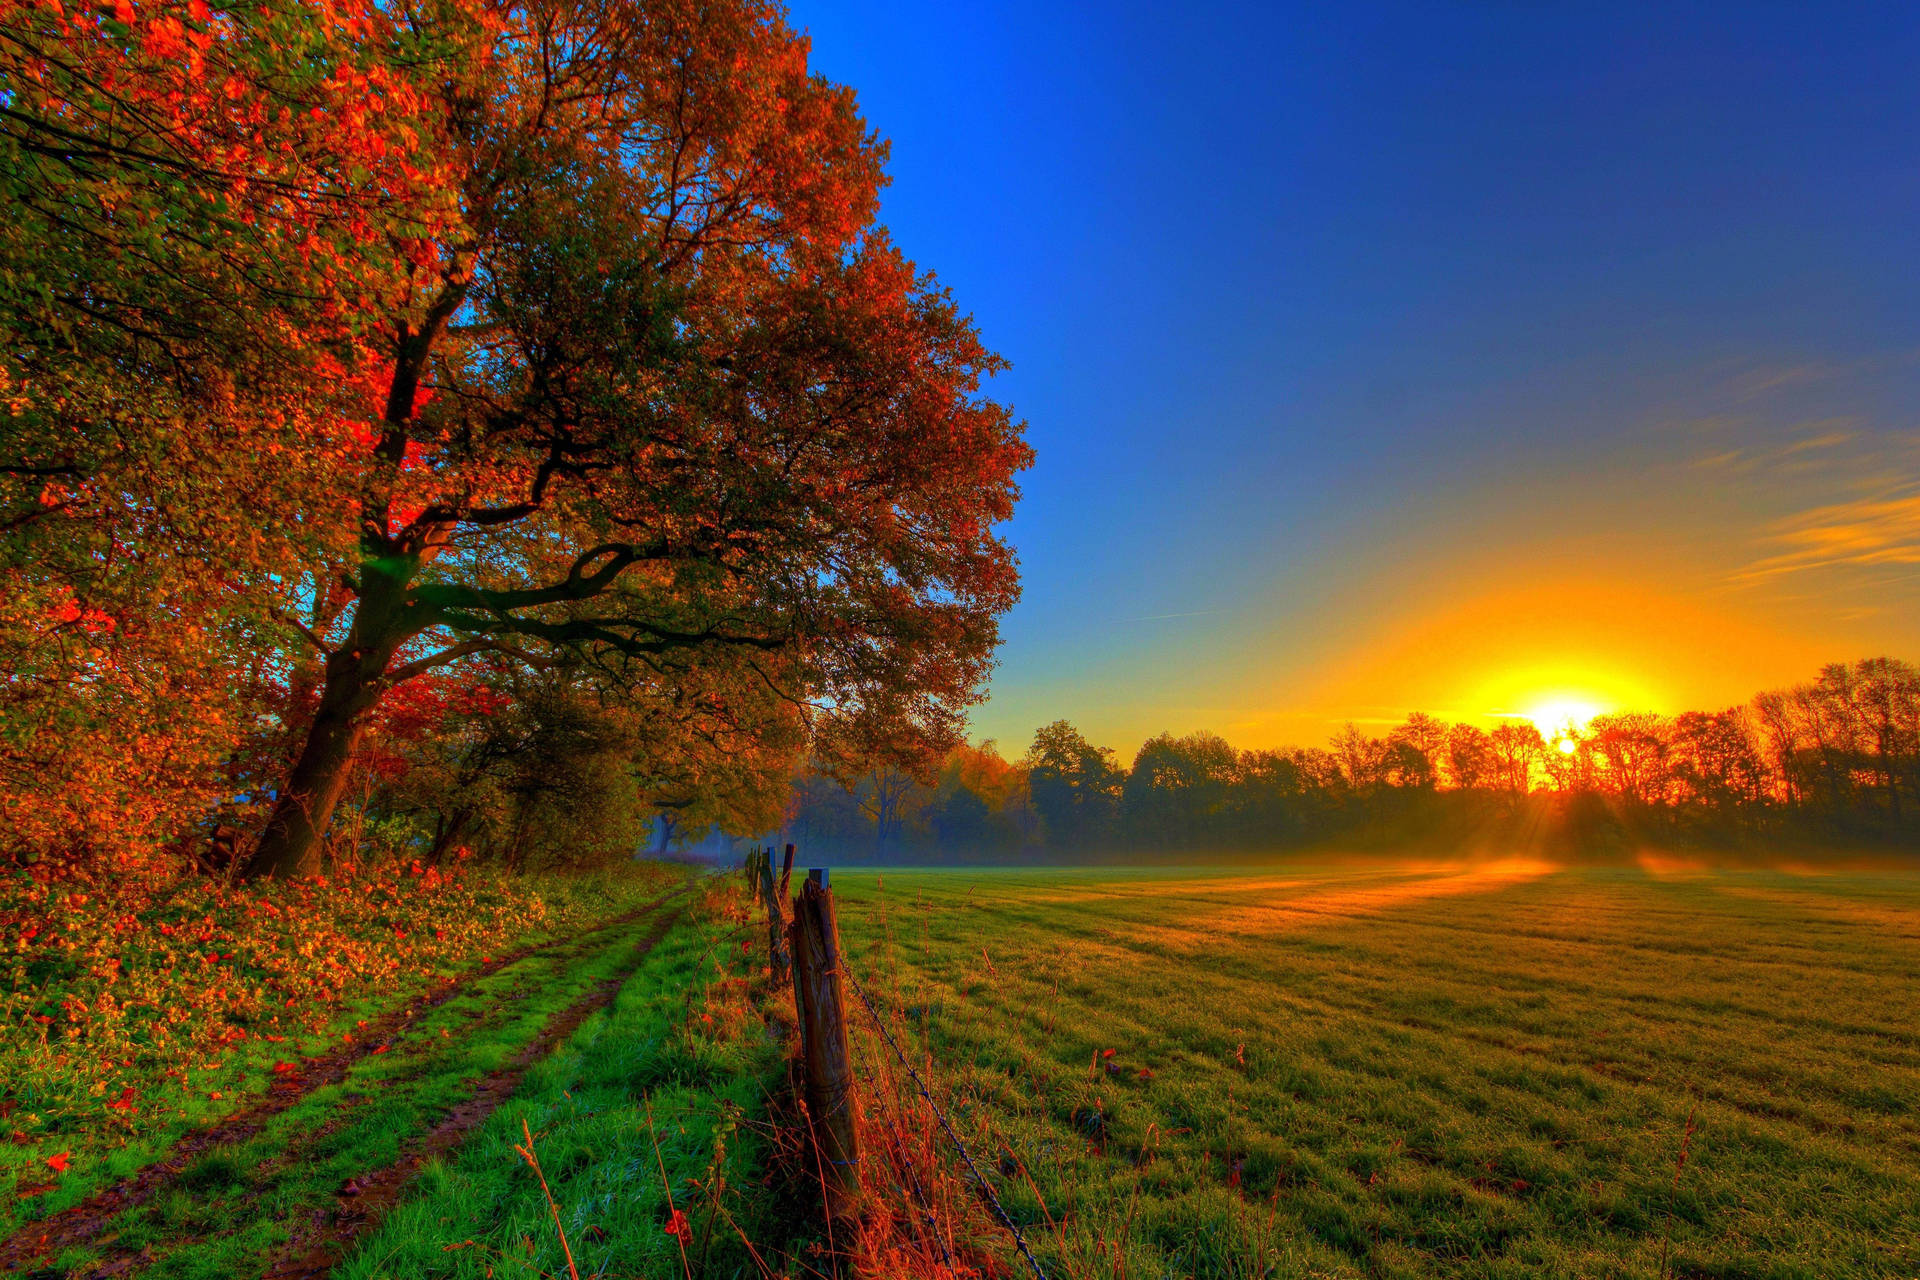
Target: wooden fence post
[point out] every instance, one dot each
(777, 954)
(786, 871)
(819, 995)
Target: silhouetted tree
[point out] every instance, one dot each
(1471, 761)
(1075, 785)
(1416, 748)
(1176, 794)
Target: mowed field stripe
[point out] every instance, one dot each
(1566, 1022)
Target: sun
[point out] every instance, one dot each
(1560, 719)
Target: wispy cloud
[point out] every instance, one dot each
(1815, 446)
(1824, 440)
(1766, 379)
(1874, 530)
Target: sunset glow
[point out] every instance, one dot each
(1560, 717)
(1465, 488)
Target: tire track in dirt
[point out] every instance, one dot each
(81, 1223)
(313, 1251)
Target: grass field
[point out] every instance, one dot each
(1506, 1071)
(1339, 1071)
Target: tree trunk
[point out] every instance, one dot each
(291, 844)
(453, 832)
(355, 673)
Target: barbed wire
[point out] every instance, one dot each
(966, 1157)
(919, 1191)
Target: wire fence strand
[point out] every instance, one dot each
(966, 1157)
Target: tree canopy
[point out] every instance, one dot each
(353, 344)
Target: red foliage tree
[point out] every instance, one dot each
(689, 406)
(202, 212)
(560, 334)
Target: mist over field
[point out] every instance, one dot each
(1823, 771)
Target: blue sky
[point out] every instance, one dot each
(1428, 356)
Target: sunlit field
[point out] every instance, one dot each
(1512, 1070)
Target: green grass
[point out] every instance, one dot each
(681, 1043)
(175, 1091)
(229, 1210)
(1404, 1073)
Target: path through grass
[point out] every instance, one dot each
(229, 1210)
(662, 1095)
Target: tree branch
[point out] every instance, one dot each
(442, 599)
(454, 652)
(304, 630)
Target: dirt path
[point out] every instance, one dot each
(81, 1223)
(316, 1246)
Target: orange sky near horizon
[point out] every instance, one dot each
(1668, 578)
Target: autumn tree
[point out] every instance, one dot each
(1417, 747)
(1363, 761)
(499, 758)
(551, 333)
(1848, 742)
(666, 397)
(980, 802)
(1717, 762)
(1472, 761)
(203, 208)
(887, 796)
(1178, 788)
(1517, 746)
(1886, 696)
(1278, 798)
(1075, 785)
(1631, 751)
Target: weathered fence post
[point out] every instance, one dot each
(819, 996)
(776, 919)
(755, 856)
(786, 871)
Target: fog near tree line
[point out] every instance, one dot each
(1828, 766)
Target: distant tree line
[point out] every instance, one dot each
(1834, 763)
